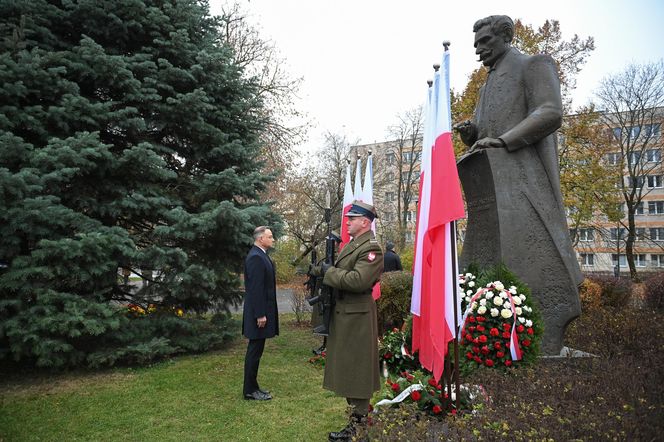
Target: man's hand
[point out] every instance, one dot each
(486, 143)
(320, 270)
(261, 321)
(464, 128)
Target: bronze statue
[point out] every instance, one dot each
(511, 179)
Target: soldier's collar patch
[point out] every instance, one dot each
(371, 256)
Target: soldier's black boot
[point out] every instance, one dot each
(356, 426)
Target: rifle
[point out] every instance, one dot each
(322, 294)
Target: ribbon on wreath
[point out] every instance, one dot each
(515, 348)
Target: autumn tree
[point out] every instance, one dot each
(632, 110)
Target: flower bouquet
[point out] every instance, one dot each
(394, 351)
(500, 326)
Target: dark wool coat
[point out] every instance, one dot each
(351, 367)
(260, 298)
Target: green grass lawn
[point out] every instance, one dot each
(188, 398)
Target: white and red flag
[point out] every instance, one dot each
(440, 204)
(345, 207)
(367, 197)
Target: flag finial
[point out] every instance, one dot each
(436, 67)
(430, 82)
(447, 44)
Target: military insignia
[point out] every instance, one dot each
(371, 256)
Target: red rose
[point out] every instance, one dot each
(395, 329)
(497, 345)
(437, 409)
(469, 337)
(506, 335)
(416, 395)
(520, 328)
(477, 359)
(508, 363)
(471, 318)
(530, 330)
(500, 354)
(482, 339)
(435, 384)
(471, 328)
(454, 412)
(323, 354)
(395, 387)
(469, 355)
(526, 343)
(494, 332)
(387, 355)
(506, 326)
(489, 363)
(480, 328)
(481, 319)
(476, 349)
(409, 376)
(485, 350)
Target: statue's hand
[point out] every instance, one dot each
(486, 143)
(464, 128)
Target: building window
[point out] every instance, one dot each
(390, 176)
(640, 233)
(389, 158)
(588, 259)
(407, 157)
(636, 182)
(634, 157)
(654, 181)
(613, 158)
(586, 234)
(657, 233)
(639, 208)
(389, 196)
(623, 260)
(614, 233)
(655, 207)
(652, 130)
(640, 260)
(657, 260)
(409, 236)
(654, 155)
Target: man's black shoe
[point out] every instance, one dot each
(264, 391)
(257, 396)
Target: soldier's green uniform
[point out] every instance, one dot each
(351, 367)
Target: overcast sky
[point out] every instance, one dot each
(365, 61)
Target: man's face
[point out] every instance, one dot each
(356, 225)
(266, 241)
(489, 46)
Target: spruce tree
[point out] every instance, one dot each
(128, 140)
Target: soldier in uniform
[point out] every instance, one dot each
(351, 368)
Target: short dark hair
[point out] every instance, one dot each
(389, 245)
(500, 25)
(259, 231)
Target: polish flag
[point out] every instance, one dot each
(367, 197)
(345, 207)
(440, 204)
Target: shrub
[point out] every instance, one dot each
(654, 296)
(394, 302)
(407, 257)
(590, 293)
(284, 255)
(616, 292)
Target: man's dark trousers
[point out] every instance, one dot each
(251, 362)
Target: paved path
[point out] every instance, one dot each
(284, 303)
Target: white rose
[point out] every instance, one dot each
(471, 284)
(494, 312)
(473, 306)
(482, 301)
(469, 292)
(528, 309)
(516, 300)
(513, 290)
(469, 275)
(488, 295)
(467, 298)
(503, 295)
(518, 310)
(523, 297)
(529, 323)
(498, 300)
(498, 285)
(521, 320)
(505, 313)
(481, 310)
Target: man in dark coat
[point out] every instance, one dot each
(351, 367)
(512, 140)
(392, 260)
(260, 319)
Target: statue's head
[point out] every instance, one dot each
(493, 36)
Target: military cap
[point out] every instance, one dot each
(360, 208)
